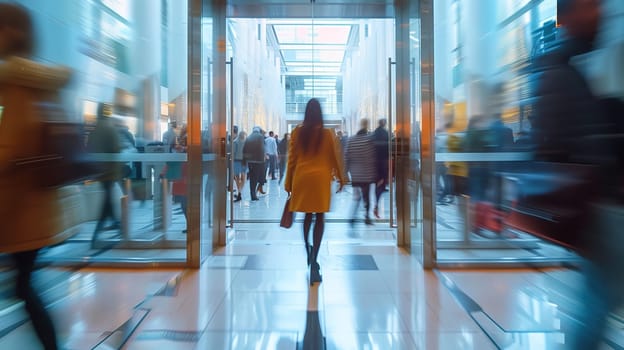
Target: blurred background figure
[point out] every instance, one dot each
(169, 137)
(342, 140)
(23, 83)
(105, 139)
(571, 127)
(179, 187)
(457, 173)
(127, 144)
(254, 157)
(381, 138)
(282, 149)
(263, 179)
(270, 147)
(240, 168)
(361, 165)
(442, 181)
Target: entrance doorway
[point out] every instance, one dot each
(274, 66)
(262, 61)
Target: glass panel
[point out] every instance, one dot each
(414, 179)
(118, 51)
(208, 132)
(481, 124)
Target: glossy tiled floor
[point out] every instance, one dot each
(257, 296)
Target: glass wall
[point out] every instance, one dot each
(129, 56)
(482, 51)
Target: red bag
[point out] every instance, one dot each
(489, 217)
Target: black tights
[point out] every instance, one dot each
(319, 228)
(42, 323)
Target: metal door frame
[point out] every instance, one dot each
(402, 119)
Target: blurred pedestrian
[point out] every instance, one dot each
(105, 139)
(568, 128)
(361, 165)
(282, 150)
(270, 147)
(169, 138)
(127, 144)
(179, 186)
(254, 157)
(382, 138)
(240, 168)
(29, 213)
(314, 158)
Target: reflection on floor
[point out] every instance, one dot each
(257, 296)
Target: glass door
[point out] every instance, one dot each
(412, 139)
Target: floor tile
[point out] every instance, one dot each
(252, 312)
(511, 301)
(248, 340)
(257, 296)
(372, 341)
(271, 281)
(356, 281)
(452, 341)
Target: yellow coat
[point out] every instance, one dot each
(29, 214)
(309, 177)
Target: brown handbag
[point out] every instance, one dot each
(287, 215)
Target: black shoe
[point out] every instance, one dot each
(255, 199)
(238, 198)
(315, 274)
(368, 221)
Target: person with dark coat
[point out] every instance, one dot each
(566, 120)
(361, 166)
(254, 156)
(105, 139)
(381, 138)
(282, 150)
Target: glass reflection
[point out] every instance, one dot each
(124, 56)
(484, 75)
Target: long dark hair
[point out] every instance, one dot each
(312, 129)
(17, 17)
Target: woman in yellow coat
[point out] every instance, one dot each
(29, 214)
(314, 159)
